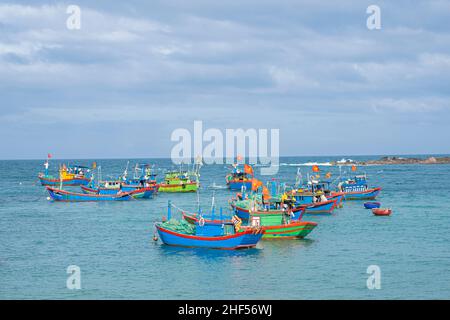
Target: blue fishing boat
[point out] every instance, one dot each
(202, 234)
(68, 176)
(67, 196)
(240, 178)
(356, 188)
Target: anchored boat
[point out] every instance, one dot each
(240, 178)
(67, 196)
(207, 234)
(356, 188)
(179, 182)
(68, 176)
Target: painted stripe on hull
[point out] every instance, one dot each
(370, 194)
(296, 230)
(65, 182)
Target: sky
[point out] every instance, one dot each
(138, 70)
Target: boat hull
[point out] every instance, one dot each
(339, 197)
(326, 207)
(294, 230)
(53, 182)
(187, 187)
(66, 196)
(244, 213)
(240, 240)
(144, 193)
(369, 194)
(237, 185)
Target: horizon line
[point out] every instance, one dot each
(193, 158)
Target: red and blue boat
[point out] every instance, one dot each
(68, 196)
(138, 191)
(202, 234)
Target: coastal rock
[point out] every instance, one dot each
(400, 160)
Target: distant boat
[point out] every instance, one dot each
(67, 196)
(68, 176)
(356, 188)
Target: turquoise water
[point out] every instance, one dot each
(112, 243)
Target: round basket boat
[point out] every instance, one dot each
(372, 205)
(382, 211)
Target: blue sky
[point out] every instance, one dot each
(137, 70)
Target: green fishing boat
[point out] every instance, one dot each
(182, 181)
(279, 225)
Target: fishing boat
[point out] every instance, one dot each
(281, 226)
(277, 225)
(179, 182)
(381, 212)
(141, 186)
(315, 202)
(67, 196)
(68, 176)
(245, 208)
(356, 188)
(207, 235)
(372, 205)
(114, 187)
(240, 178)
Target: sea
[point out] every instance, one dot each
(112, 247)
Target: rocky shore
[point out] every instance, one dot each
(401, 160)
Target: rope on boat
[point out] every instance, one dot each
(181, 210)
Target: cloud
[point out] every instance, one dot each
(231, 63)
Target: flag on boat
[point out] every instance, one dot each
(248, 169)
(315, 168)
(49, 156)
(266, 193)
(256, 184)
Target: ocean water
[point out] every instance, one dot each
(112, 242)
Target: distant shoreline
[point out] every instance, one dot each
(401, 160)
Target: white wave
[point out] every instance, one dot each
(343, 161)
(307, 164)
(215, 186)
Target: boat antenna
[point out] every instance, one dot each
(198, 200)
(213, 202)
